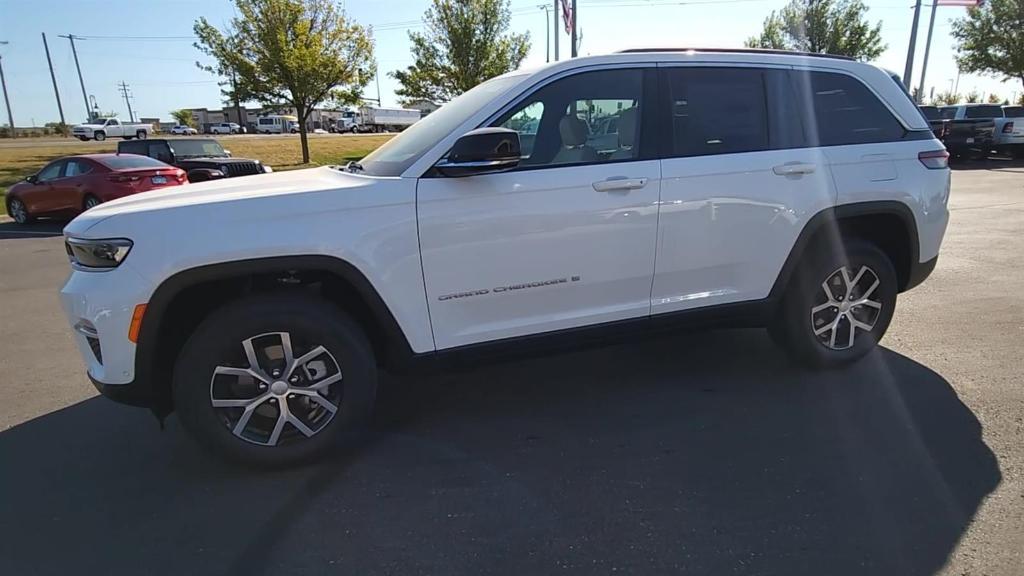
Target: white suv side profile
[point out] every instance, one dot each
(605, 195)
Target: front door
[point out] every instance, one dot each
(39, 198)
(565, 240)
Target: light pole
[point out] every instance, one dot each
(547, 32)
(7, 101)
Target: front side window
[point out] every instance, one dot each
(50, 172)
(586, 118)
(844, 111)
(717, 111)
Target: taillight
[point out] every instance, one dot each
(1008, 128)
(934, 159)
(180, 176)
(124, 178)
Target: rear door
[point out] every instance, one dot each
(738, 184)
(69, 189)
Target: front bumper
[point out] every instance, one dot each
(132, 393)
(919, 272)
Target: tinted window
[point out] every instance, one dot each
(572, 117)
(844, 111)
(526, 121)
(930, 112)
(947, 112)
(1013, 111)
(204, 147)
(77, 168)
(135, 147)
(983, 112)
(160, 151)
(717, 111)
(50, 172)
(130, 161)
(266, 121)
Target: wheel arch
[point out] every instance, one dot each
(888, 223)
(181, 301)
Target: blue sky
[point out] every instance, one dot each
(163, 76)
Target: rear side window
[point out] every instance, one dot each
(717, 111)
(844, 111)
(77, 168)
(930, 112)
(1013, 111)
(130, 161)
(983, 112)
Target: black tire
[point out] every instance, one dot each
(310, 322)
(795, 325)
(90, 201)
(20, 216)
(100, 136)
(83, 138)
(140, 135)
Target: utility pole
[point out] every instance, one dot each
(7, 102)
(927, 49)
(81, 82)
(124, 92)
(54, 78)
(378, 85)
(555, 31)
(909, 68)
(575, 18)
(547, 35)
(243, 122)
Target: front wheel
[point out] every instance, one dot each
(17, 210)
(838, 305)
(275, 379)
(90, 202)
(100, 136)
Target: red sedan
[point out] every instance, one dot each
(74, 184)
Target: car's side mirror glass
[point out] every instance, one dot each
(32, 178)
(482, 151)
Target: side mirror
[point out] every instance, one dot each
(482, 151)
(227, 153)
(204, 174)
(32, 178)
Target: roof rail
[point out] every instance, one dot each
(738, 51)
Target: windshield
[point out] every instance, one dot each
(403, 150)
(197, 148)
(984, 112)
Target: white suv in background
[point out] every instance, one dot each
(610, 194)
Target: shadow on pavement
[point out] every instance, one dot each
(703, 454)
(40, 229)
(990, 163)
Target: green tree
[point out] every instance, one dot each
(990, 39)
(973, 97)
(945, 99)
(296, 53)
(822, 26)
(465, 43)
(183, 117)
(994, 99)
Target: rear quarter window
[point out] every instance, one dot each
(843, 110)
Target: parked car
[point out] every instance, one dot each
(938, 124)
(1009, 135)
(104, 128)
(276, 124)
(202, 158)
(74, 184)
(971, 128)
(181, 130)
(798, 192)
(225, 128)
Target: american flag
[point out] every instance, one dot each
(968, 3)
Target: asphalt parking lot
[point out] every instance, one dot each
(694, 453)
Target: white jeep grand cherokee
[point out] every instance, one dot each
(617, 193)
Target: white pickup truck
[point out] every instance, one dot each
(104, 128)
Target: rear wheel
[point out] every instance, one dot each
(17, 210)
(275, 379)
(838, 305)
(141, 134)
(90, 202)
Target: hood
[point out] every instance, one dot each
(219, 193)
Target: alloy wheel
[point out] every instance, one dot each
(17, 211)
(91, 202)
(845, 307)
(276, 396)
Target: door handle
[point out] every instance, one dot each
(794, 169)
(619, 184)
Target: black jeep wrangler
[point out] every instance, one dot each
(202, 158)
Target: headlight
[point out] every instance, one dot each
(267, 169)
(97, 254)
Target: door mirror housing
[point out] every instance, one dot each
(32, 178)
(482, 151)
